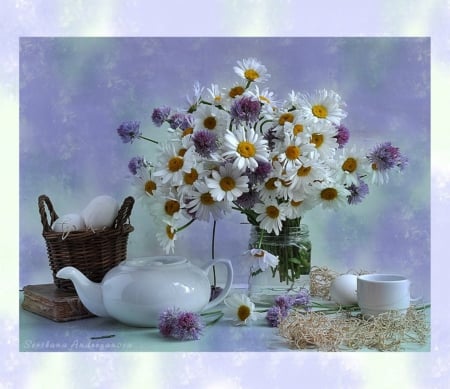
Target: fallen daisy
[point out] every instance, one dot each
(240, 308)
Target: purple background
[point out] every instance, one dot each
(75, 91)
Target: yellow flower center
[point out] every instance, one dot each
(264, 99)
(272, 211)
(190, 178)
(227, 183)
(206, 199)
(243, 312)
(293, 152)
(350, 165)
(181, 152)
(175, 164)
(374, 166)
(303, 171)
(187, 131)
(320, 111)
(329, 194)
(150, 186)
(286, 117)
(236, 91)
(317, 139)
(210, 122)
(246, 149)
(170, 232)
(270, 183)
(298, 128)
(171, 207)
(296, 203)
(251, 74)
(259, 254)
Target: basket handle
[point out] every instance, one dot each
(124, 212)
(44, 201)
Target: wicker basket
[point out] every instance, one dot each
(92, 253)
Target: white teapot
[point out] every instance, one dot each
(137, 290)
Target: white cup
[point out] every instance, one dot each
(378, 293)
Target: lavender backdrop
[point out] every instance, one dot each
(75, 91)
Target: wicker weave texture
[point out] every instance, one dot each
(93, 253)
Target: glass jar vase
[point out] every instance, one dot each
(293, 248)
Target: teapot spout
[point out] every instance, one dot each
(90, 293)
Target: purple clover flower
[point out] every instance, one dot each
(248, 199)
(188, 121)
(357, 193)
(283, 304)
(302, 299)
(180, 325)
(274, 316)
(385, 157)
(245, 109)
(128, 131)
(205, 142)
(261, 172)
(176, 120)
(189, 326)
(135, 164)
(342, 136)
(160, 115)
(168, 321)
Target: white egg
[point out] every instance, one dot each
(343, 289)
(100, 212)
(68, 223)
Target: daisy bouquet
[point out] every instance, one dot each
(239, 147)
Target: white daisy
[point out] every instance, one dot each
(269, 105)
(285, 119)
(166, 236)
(240, 308)
(167, 208)
(261, 259)
(269, 188)
(246, 147)
(292, 152)
(295, 209)
(352, 165)
(194, 99)
(305, 175)
(209, 117)
(323, 105)
(270, 215)
(143, 184)
(331, 196)
(228, 183)
(174, 161)
(201, 204)
(197, 173)
(216, 94)
(251, 70)
(323, 137)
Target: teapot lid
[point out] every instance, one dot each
(159, 261)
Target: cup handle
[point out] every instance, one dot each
(413, 299)
(228, 283)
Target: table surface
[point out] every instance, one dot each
(103, 334)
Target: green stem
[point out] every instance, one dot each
(150, 140)
(213, 251)
(185, 226)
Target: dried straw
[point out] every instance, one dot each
(321, 279)
(342, 331)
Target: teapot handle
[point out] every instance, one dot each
(228, 284)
